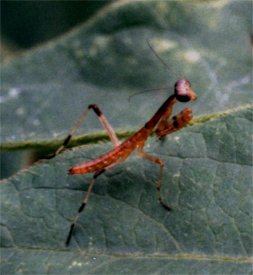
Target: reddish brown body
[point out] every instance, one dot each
(117, 154)
(159, 119)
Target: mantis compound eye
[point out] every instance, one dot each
(183, 91)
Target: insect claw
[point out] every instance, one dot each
(167, 207)
(69, 235)
(164, 205)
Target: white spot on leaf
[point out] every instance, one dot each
(192, 56)
(20, 111)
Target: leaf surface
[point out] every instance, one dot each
(124, 229)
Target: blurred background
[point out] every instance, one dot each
(26, 24)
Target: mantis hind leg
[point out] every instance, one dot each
(83, 204)
(107, 126)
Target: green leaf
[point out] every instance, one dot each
(207, 177)
(124, 229)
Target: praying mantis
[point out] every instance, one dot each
(160, 123)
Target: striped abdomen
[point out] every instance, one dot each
(120, 153)
(96, 164)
